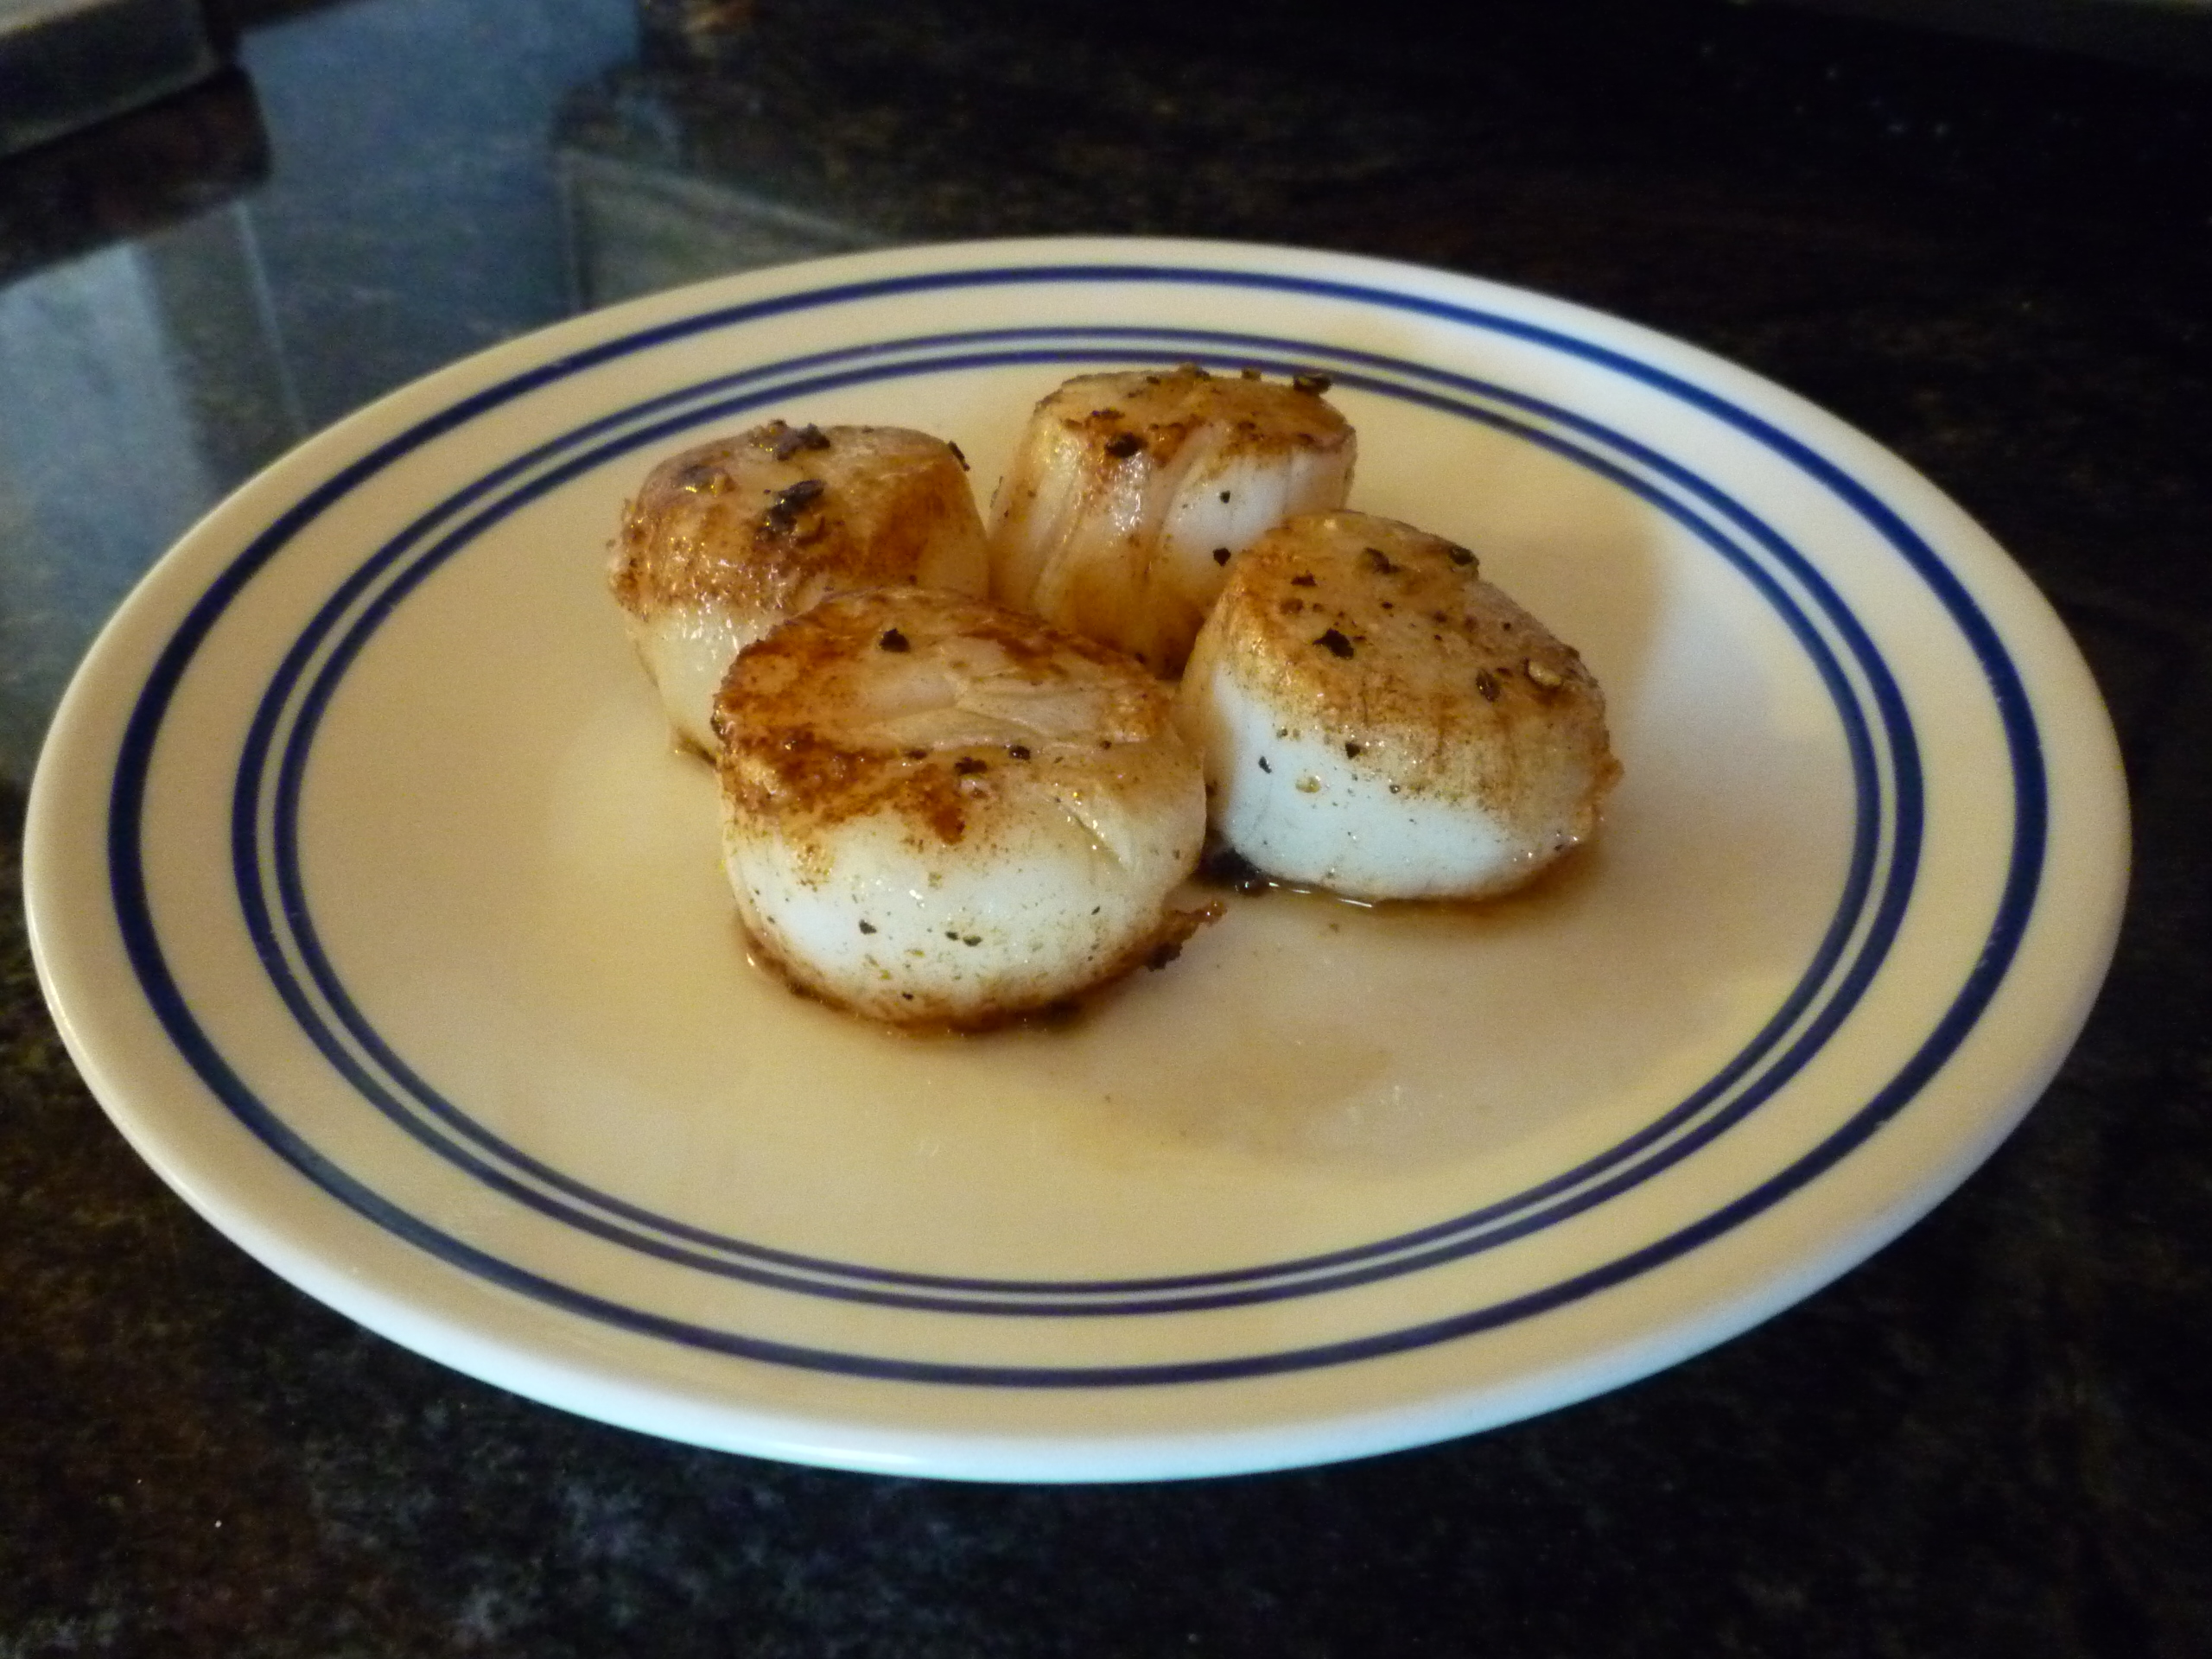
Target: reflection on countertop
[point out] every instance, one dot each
(203, 284)
(837, 126)
(354, 243)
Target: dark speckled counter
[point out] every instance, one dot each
(1990, 1439)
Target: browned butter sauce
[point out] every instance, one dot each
(1225, 879)
(1212, 1054)
(1224, 868)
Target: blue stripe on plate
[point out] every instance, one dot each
(672, 1241)
(127, 802)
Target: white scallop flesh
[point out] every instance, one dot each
(940, 813)
(727, 540)
(1377, 720)
(1130, 493)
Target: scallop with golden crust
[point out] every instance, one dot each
(728, 539)
(1130, 493)
(1377, 719)
(940, 813)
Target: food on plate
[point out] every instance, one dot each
(941, 813)
(728, 539)
(944, 812)
(1376, 719)
(1130, 493)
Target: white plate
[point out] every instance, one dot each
(379, 914)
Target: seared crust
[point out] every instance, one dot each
(1157, 411)
(770, 520)
(810, 734)
(939, 813)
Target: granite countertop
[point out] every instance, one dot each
(1988, 1440)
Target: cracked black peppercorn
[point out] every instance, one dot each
(788, 504)
(792, 438)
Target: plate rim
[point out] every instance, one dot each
(691, 304)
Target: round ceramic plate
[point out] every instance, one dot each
(380, 913)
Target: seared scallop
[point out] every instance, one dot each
(728, 540)
(1376, 719)
(941, 813)
(1130, 493)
